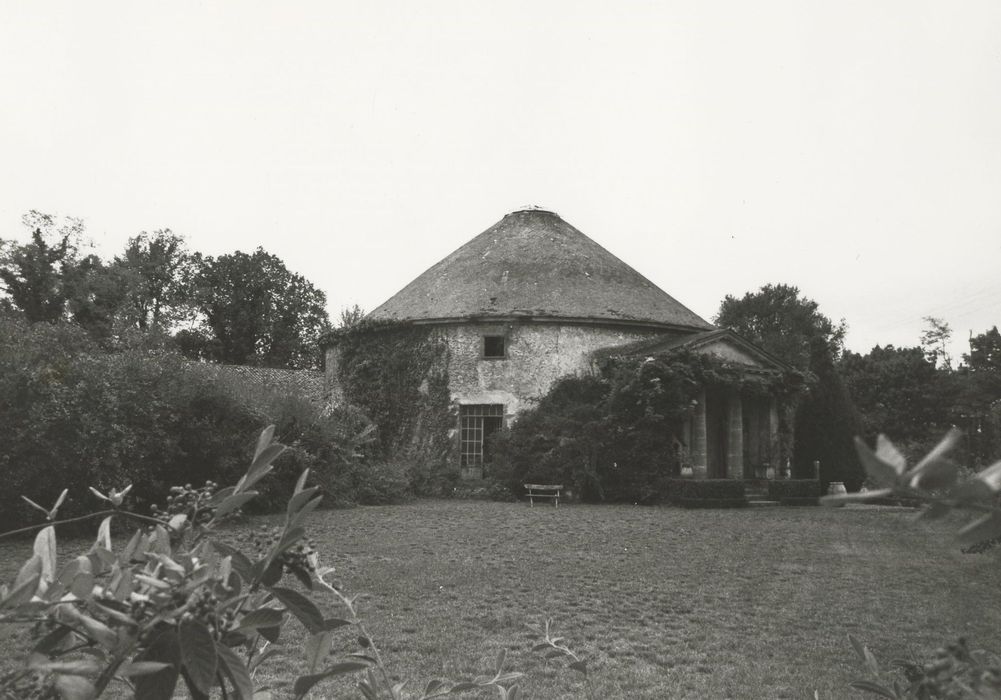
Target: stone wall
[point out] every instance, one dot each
(537, 355)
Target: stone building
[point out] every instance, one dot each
(532, 299)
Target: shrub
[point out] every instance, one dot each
(179, 603)
(795, 492)
(145, 416)
(382, 483)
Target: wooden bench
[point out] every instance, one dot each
(551, 491)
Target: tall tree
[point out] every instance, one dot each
(34, 274)
(900, 392)
(935, 341)
(158, 270)
(791, 326)
(258, 312)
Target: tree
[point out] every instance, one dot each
(258, 312)
(978, 408)
(158, 270)
(33, 274)
(985, 352)
(899, 392)
(350, 316)
(935, 341)
(790, 326)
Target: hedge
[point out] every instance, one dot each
(795, 492)
(711, 493)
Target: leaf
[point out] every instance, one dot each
(142, 668)
(972, 491)
(870, 661)
(299, 517)
(72, 687)
(35, 505)
(317, 650)
(240, 562)
(103, 535)
(944, 447)
(985, 528)
(262, 617)
(991, 476)
(300, 606)
(300, 484)
(160, 685)
(299, 500)
(432, 686)
(22, 593)
(842, 498)
(198, 654)
(45, 548)
(889, 453)
(270, 633)
(879, 471)
(499, 664)
(332, 623)
(874, 688)
(936, 474)
(236, 671)
(265, 438)
(30, 569)
(462, 687)
(237, 500)
(303, 684)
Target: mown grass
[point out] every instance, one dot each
(664, 603)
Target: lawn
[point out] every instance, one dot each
(663, 603)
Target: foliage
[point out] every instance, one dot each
(790, 326)
(350, 316)
(955, 672)
(258, 312)
(398, 376)
(899, 391)
(177, 603)
(935, 341)
(148, 417)
(157, 270)
(614, 436)
(786, 324)
(34, 273)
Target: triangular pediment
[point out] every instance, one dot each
(721, 343)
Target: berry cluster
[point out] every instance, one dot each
(296, 560)
(203, 606)
(190, 501)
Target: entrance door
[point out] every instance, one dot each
(716, 432)
(477, 422)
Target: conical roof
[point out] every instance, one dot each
(534, 264)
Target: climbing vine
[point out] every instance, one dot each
(397, 374)
(613, 435)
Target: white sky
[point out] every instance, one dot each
(850, 148)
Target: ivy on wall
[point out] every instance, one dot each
(612, 436)
(397, 374)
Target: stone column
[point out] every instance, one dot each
(700, 451)
(775, 455)
(735, 437)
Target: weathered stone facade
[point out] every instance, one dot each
(531, 300)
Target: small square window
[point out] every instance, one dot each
(493, 347)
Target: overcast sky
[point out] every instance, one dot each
(850, 148)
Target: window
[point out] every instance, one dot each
(493, 347)
(477, 422)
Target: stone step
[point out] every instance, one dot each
(761, 503)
